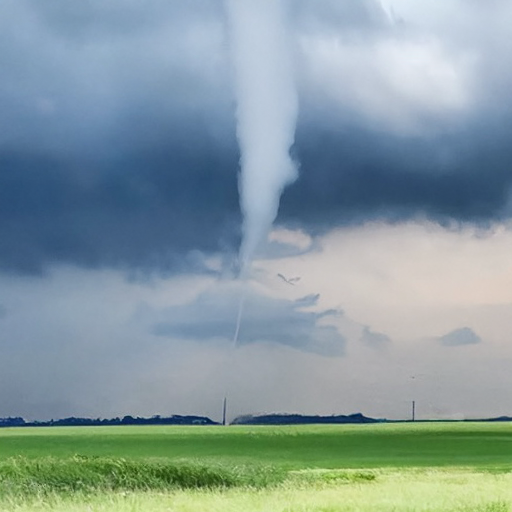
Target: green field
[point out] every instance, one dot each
(329, 468)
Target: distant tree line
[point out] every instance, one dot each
(300, 419)
(249, 419)
(126, 420)
(12, 422)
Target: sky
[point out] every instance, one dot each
(387, 274)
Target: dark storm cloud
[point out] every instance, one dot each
(117, 142)
(264, 319)
(460, 337)
(354, 176)
(130, 213)
(116, 17)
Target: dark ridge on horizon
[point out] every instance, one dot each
(72, 421)
(246, 419)
(300, 419)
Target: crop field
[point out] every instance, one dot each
(377, 467)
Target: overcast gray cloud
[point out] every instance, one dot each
(375, 340)
(459, 337)
(212, 315)
(118, 147)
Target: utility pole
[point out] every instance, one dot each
(224, 410)
(413, 416)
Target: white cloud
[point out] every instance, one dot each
(396, 84)
(479, 28)
(295, 238)
(407, 280)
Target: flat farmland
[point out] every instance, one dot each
(293, 447)
(386, 466)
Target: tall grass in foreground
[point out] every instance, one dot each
(20, 477)
(454, 490)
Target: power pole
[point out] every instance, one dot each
(413, 416)
(224, 410)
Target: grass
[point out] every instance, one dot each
(46, 476)
(391, 491)
(290, 447)
(434, 467)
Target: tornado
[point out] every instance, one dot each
(266, 113)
